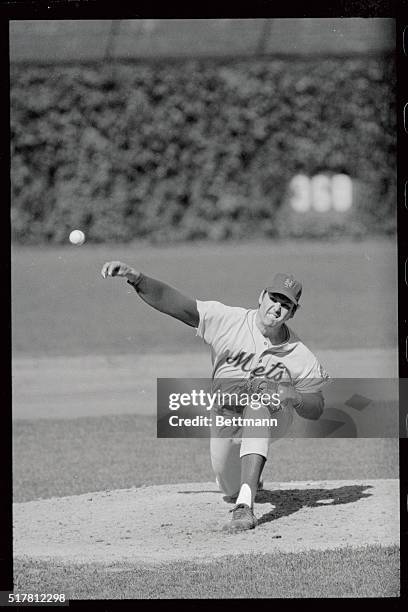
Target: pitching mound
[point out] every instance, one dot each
(184, 521)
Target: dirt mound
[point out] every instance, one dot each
(184, 521)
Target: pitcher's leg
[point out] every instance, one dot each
(225, 461)
(253, 455)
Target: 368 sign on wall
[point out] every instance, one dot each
(321, 193)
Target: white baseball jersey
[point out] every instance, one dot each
(239, 350)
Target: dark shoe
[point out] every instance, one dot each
(242, 519)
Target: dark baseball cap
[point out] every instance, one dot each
(287, 285)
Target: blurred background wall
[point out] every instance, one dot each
(187, 129)
(52, 41)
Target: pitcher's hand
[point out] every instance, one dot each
(118, 268)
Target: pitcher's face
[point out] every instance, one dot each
(275, 309)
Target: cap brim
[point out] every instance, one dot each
(282, 292)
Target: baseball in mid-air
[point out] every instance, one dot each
(77, 237)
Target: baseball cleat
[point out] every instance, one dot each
(243, 518)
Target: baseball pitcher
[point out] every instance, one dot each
(252, 344)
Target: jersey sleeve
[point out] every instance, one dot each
(313, 377)
(214, 320)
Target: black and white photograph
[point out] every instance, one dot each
(204, 308)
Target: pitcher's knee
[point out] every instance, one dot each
(227, 487)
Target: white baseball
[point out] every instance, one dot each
(77, 237)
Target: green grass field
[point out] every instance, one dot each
(62, 306)
(72, 456)
(365, 572)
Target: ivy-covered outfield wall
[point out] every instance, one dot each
(199, 149)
